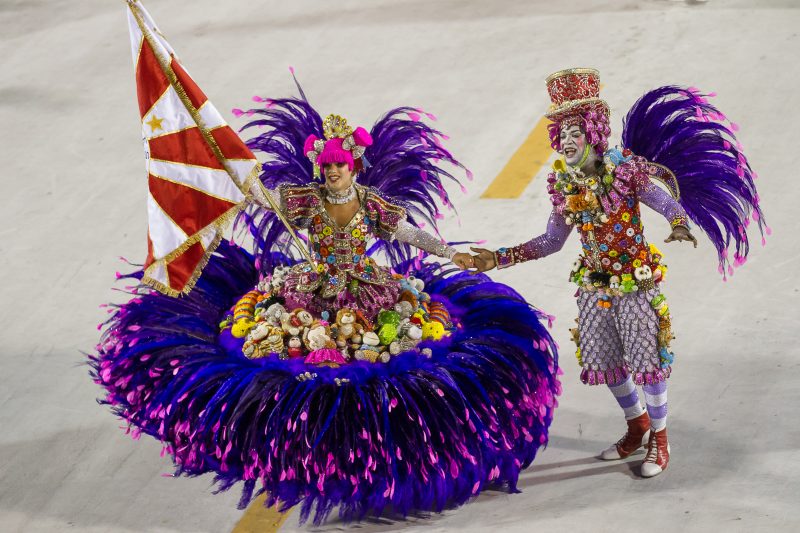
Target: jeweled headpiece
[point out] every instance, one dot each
(342, 144)
(574, 91)
(336, 126)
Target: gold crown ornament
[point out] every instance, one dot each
(335, 126)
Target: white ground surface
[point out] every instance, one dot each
(72, 199)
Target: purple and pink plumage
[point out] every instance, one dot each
(415, 434)
(679, 129)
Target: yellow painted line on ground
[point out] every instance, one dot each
(523, 166)
(260, 519)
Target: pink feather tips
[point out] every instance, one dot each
(470, 175)
(464, 190)
(734, 126)
(431, 116)
(414, 116)
(237, 112)
(291, 69)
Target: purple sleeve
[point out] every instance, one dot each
(658, 200)
(551, 241)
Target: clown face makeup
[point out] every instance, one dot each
(573, 144)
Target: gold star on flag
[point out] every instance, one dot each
(155, 123)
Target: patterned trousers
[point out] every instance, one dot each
(621, 340)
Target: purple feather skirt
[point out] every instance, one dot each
(414, 434)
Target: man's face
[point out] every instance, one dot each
(573, 143)
(338, 176)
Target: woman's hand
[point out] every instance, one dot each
(463, 261)
(681, 233)
(484, 259)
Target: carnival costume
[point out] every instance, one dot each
(673, 136)
(332, 381)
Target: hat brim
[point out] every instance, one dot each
(577, 107)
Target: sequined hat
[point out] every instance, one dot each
(574, 91)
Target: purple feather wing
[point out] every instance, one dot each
(405, 167)
(678, 128)
(287, 123)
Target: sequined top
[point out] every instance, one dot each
(607, 219)
(339, 253)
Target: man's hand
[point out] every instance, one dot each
(484, 259)
(681, 233)
(463, 261)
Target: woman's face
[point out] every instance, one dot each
(573, 143)
(338, 176)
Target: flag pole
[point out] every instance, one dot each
(173, 80)
(276, 209)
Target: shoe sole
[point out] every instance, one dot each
(669, 451)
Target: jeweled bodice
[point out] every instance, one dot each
(339, 252)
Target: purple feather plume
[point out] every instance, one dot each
(679, 129)
(403, 166)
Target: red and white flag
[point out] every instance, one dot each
(199, 170)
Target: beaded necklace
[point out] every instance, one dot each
(341, 198)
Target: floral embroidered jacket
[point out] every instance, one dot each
(605, 213)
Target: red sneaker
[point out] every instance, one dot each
(631, 441)
(657, 457)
